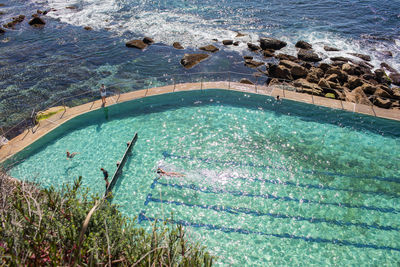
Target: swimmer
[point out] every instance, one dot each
(162, 172)
(71, 155)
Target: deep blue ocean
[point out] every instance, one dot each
(38, 66)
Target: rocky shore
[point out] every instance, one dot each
(344, 78)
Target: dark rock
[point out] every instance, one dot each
(329, 48)
(363, 68)
(45, 12)
(2, 31)
(363, 57)
(354, 82)
(215, 40)
(379, 74)
(39, 11)
(35, 15)
(252, 63)
(2, 13)
(323, 83)
(209, 48)
(271, 43)
(345, 59)
(279, 71)
(303, 45)
(71, 7)
(88, 28)
(395, 77)
(177, 45)
(312, 78)
(236, 43)
(368, 88)
(248, 57)
(9, 25)
(240, 34)
(349, 69)
(332, 78)
(341, 75)
(388, 67)
(37, 22)
(382, 93)
(253, 47)
(136, 44)
(268, 53)
(306, 65)
(287, 57)
(148, 40)
(190, 60)
(227, 42)
(18, 19)
(382, 103)
(308, 55)
(246, 81)
(324, 66)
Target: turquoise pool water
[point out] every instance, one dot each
(266, 182)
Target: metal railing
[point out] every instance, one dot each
(32, 123)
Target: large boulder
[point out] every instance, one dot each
(279, 71)
(354, 82)
(395, 77)
(303, 45)
(139, 44)
(344, 59)
(341, 75)
(190, 60)
(357, 96)
(304, 86)
(368, 89)
(209, 48)
(382, 93)
(268, 53)
(253, 47)
(296, 70)
(323, 83)
(37, 22)
(271, 43)
(388, 67)
(308, 55)
(349, 69)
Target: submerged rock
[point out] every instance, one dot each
(136, 44)
(363, 57)
(177, 45)
(329, 48)
(227, 42)
(2, 31)
(253, 47)
(271, 43)
(37, 22)
(88, 28)
(190, 60)
(148, 40)
(209, 48)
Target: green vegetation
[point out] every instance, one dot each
(330, 95)
(43, 227)
(45, 115)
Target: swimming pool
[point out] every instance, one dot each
(265, 182)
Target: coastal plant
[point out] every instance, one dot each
(43, 227)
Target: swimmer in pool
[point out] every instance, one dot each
(71, 155)
(162, 172)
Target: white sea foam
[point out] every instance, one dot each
(129, 21)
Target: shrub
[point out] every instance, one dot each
(43, 227)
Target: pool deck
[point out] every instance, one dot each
(31, 135)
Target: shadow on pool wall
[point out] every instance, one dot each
(161, 103)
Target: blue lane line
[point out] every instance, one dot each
(234, 163)
(143, 217)
(320, 187)
(269, 196)
(235, 211)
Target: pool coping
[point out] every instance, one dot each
(29, 136)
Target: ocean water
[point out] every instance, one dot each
(40, 66)
(265, 182)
